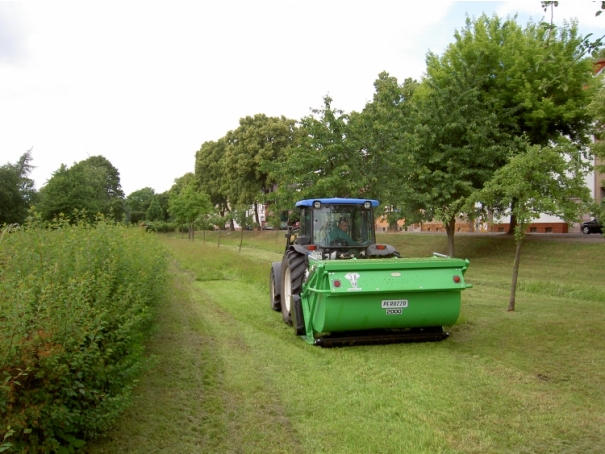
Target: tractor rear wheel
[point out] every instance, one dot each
(293, 268)
(275, 297)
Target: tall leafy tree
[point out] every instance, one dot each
(154, 212)
(526, 83)
(109, 189)
(137, 203)
(92, 185)
(163, 199)
(383, 135)
(211, 173)
(459, 145)
(520, 71)
(251, 149)
(323, 162)
(597, 109)
(17, 192)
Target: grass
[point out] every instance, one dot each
(229, 376)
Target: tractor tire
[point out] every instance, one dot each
(297, 316)
(275, 297)
(293, 269)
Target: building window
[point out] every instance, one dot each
(533, 230)
(548, 230)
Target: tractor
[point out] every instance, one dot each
(337, 287)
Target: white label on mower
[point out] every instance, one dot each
(394, 311)
(387, 304)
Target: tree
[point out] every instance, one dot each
(597, 109)
(154, 212)
(383, 134)
(188, 204)
(531, 78)
(109, 188)
(211, 173)
(163, 199)
(323, 162)
(251, 150)
(92, 185)
(546, 180)
(520, 68)
(137, 203)
(17, 192)
(459, 144)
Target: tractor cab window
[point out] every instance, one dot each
(304, 229)
(305, 221)
(343, 226)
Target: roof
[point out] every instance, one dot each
(336, 201)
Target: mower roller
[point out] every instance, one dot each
(337, 287)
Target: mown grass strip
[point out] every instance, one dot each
(529, 381)
(179, 406)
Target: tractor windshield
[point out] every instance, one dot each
(343, 225)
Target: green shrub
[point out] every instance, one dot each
(162, 227)
(76, 302)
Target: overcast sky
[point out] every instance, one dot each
(146, 83)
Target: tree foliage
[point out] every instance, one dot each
(154, 211)
(17, 192)
(188, 204)
(211, 173)
(496, 86)
(532, 74)
(459, 143)
(251, 150)
(597, 109)
(384, 136)
(323, 162)
(137, 203)
(548, 180)
(92, 185)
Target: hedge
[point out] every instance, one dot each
(76, 302)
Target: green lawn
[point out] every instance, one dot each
(227, 376)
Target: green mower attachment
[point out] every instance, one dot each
(364, 293)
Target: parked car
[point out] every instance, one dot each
(267, 227)
(593, 226)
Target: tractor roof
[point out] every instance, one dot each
(336, 201)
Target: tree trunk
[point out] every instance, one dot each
(450, 228)
(513, 219)
(241, 238)
(231, 222)
(513, 288)
(260, 227)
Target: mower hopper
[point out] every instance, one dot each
(408, 297)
